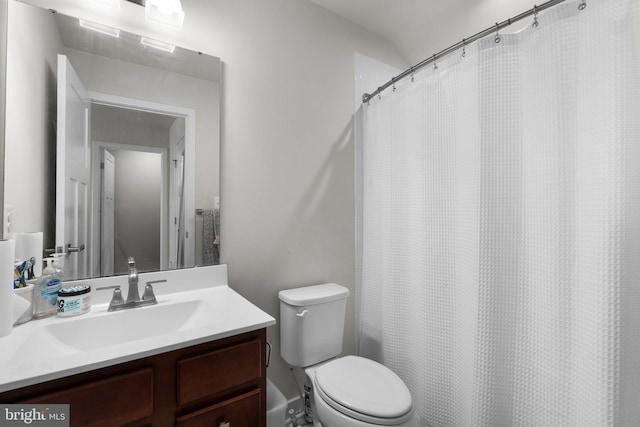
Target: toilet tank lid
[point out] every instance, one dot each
(316, 294)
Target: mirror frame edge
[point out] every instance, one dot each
(4, 9)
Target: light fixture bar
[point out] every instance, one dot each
(156, 44)
(100, 28)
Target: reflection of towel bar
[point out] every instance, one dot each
(200, 211)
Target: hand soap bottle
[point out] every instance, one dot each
(45, 293)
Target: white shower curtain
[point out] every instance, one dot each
(501, 226)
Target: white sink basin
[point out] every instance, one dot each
(100, 330)
(127, 325)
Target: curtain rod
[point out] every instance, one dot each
(495, 28)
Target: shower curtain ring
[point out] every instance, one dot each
(435, 64)
(582, 5)
(393, 83)
(379, 92)
(411, 74)
(535, 16)
(497, 38)
(464, 47)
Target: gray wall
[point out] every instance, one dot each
(288, 155)
(107, 126)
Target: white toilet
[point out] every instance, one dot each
(349, 391)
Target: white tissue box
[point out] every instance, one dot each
(22, 304)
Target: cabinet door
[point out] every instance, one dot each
(210, 373)
(241, 411)
(118, 400)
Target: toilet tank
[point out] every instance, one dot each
(312, 323)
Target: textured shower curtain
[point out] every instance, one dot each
(501, 226)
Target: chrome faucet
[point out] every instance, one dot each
(133, 296)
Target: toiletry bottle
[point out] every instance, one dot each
(58, 265)
(45, 293)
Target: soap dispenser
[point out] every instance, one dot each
(45, 293)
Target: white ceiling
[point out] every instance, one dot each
(420, 28)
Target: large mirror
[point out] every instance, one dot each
(111, 145)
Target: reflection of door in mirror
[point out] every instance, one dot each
(176, 208)
(73, 171)
(107, 213)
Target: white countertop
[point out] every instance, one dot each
(194, 306)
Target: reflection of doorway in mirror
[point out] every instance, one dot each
(140, 125)
(131, 219)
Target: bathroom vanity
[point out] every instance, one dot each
(201, 385)
(203, 365)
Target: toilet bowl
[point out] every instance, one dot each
(352, 391)
(349, 391)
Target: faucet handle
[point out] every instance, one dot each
(117, 293)
(117, 296)
(116, 300)
(148, 294)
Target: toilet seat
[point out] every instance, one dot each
(365, 390)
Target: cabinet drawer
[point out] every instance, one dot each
(118, 400)
(216, 371)
(241, 411)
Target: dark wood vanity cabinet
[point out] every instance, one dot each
(209, 384)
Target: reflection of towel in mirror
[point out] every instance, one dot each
(216, 226)
(210, 238)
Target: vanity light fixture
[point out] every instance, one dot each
(167, 12)
(104, 29)
(156, 44)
